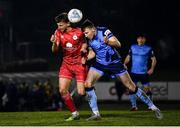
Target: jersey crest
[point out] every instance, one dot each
(75, 37)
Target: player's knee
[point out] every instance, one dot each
(133, 90)
(130, 85)
(88, 84)
(147, 89)
(63, 92)
(81, 92)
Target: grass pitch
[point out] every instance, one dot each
(109, 118)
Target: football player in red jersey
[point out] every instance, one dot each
(74, 49)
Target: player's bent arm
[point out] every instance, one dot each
(113, 41)
(91, 54)
(84, 48)
(84, 53)
(54, 47)
(154, 62)
(127, 60)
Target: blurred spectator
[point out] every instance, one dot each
(23, 96)
(48, 93)
(26, 96)
(165, 48)
(2, 92)
(57, 102)
(12, 95)
(38, 96)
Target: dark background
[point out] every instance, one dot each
(26, 27)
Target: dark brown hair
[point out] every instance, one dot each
(63, 17)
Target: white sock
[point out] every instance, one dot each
(153, 107)
(75, 113)
(96, 112)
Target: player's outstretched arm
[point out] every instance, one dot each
(126, 61)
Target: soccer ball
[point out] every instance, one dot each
(75, 15)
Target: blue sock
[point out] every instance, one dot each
(92, 99)
(141, 94)
(132, 98)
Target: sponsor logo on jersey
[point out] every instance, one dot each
(68, 45)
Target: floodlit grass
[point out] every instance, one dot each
(109, 118)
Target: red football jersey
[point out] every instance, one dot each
(71, 43)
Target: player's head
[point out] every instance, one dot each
(88, 29)
(62, 21)
(141, 39)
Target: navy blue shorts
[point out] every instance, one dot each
(112, 70)
(142, 78)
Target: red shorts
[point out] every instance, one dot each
(73, 71)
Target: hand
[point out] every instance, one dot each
(150, 71)
(53, 39)
(106, 40)
(83, 60)
(84, 52)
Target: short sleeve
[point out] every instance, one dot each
(107, 32)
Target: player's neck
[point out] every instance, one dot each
(68, 29)
(140, 44)
(95, 32)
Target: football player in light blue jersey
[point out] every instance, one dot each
(139, 55)
(102, 44)
(105, 54)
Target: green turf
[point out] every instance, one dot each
(109, 118)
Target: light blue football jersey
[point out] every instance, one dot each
(105, 54)
(140, 54)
